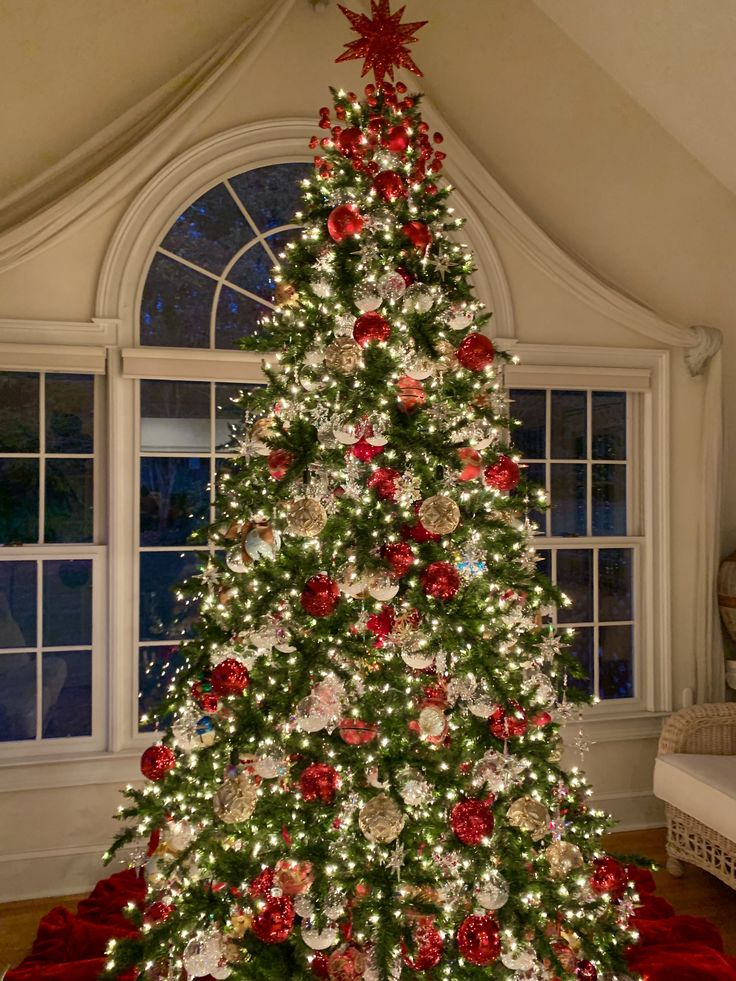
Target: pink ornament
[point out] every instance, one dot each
(320, 595)
(441, 580)
(344, 220)
(470, 458)
(478, 940)
(230, 677)
(319, 782)
(503, 475)
(389, 186)
(273, 924)
(475, 352)
(472, 821)
(156, 762)
(370, 327)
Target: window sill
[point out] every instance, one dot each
(78, 770)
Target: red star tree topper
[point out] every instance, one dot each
(383, 40)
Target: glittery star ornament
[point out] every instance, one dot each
(383, 41)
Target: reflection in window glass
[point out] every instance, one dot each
(69, 413)
(157, 666)
(18, 501)
(69, 503)
(19, 412)
(17, 697)
(163, 615)
(175, 416)
(174, 497)
(569, 425)
(17, 604)
(67, 694)
(67, 603)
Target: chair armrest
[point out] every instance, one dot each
(707, 729)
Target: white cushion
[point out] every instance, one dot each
(702, 786)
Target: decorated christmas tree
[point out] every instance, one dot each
(361, 777)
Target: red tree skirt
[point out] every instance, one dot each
(72, 948)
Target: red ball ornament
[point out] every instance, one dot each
(364, 451)
(349, 141)
(383, 482)
(275, 921)
(503, 475)
(470, 460)
(509, 722)
(204, 697)
(397, 139)
(369, 327)
(472, 821)
(389, 186)
(355, 732)
(586, 971)
(320, 595)
(230, 677)
(428, 948)
(156, 762)
(411, 394)
(399, 556)
(344, 220)
(475, 352)
(441, 580)
(319, 965)
(279, 462)
(319, 782)
(158, 912)
(478, 940)
(418, 234)
(261, 886)
(541, 719)
(609, 876)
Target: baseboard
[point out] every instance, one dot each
(632, 810)
(53, 872)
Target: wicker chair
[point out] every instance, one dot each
(710, 730)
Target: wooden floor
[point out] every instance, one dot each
(696, 893)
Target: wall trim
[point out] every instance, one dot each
(38, 874)
(97, 332)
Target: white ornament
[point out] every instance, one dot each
(482, 708)
(367, 296)
(413, 788)
(459, 317)
(392, 285)
(346, 432)
(417, 659)
(234, 560)
(303, 905)
(269, 767)
(383, 587)
(519, 959)
(418, 299)
(432, 722)
(493, 891)
(321, 287)
(258, 548)
(319, 939)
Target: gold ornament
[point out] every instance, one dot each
(239, 925)
(306, 517)
(446, 355)
(285, 295)
(343, 355)
(432, 722)
(439, 514)
(236, 799)
(261, 430)
(563, 858)
(381, 820)
(529, 815)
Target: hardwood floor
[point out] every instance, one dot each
(697, 893)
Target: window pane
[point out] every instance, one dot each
(156, 669)
(18, 501)
(19, 404)
(615, 586)
(536, 473)
(67, 694)
(575, 579)
(229, 415)
(162, 614)
(69, 413)
(544, 563)
(237, 316)
(69, 501)
(174, 498)
(17, 604)
(175, 416)
(17, 697)
(609, 499)
(272, 194)
(568, 411)
(528, 405)
(609, 425)
(252, 272)
(176, 306)
(67, 603)
(277, 243)
(581, 648)
(568, 499)
(616, 662)
(210, 231)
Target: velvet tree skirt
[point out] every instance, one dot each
(71, 947)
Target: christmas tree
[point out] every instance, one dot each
(362, 778)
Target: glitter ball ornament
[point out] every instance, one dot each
(344, 220)
(427, 947)
(439, 514)
(350, 141)
(320, 595)
(318, 939)
(418, 299)
(475, 352)
(563, 858)
(508, 722)
(306, 518)
(585, 971)
(274, 923)
(279, 462)
(382, 586)
(319, 782)
(519, 958)
(201, 956)
(383, 482)
(392, 285)
(158, 912)
(156, 761)
(367, 296)
(397, 139)
(355, 732)
(441, 580)
(235, 799)
(529, 815)
(371, 327)
(399, 556)
(229, 677)
(609, 876)
(389, 186)
(262, 886)
(503, 475)
(472, 821)
(236, 561)
(343, 355)
(319, 965)
(492, 891)
(381, 820)
(478, 940)
(321, 288)
(413, 788)
(418, 234)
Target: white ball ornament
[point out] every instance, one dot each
(321, 288)
(392, 285)
(318, 939)
(519, 959)
(234, 560)
(367, 296)
(459, 317)
(383, 587)
(262, 542)
(493, 891)
(418, 299)
(417, 659)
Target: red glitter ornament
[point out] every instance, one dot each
(381, 624)
(204, 697)
(509, 722)
(364, 451)
(158, 912)
(476, 352)
(319, 782)
(411, 394)
(230, 677)
(541, 719)
(320, 595)
(369, 327)
(343, 221)
(397, 139)
(389, 186)
(383, 42)
(355, 732)
(417, 532)
(350, 141)
(319, 965)
(418, 234)
(478, 940)
(472, 821)
(441, 580)
(261, 886)
(610, 876)
(428, 947)
(399, 556)
(347, 964)
(156, 761)
(275, 921)
(279, 462)
(504, 474)
(470, 459)
(586, 971)
(383, 482)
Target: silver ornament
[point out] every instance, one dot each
(493, 891)
(367, 296)
(418, 299)
(318, 939)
